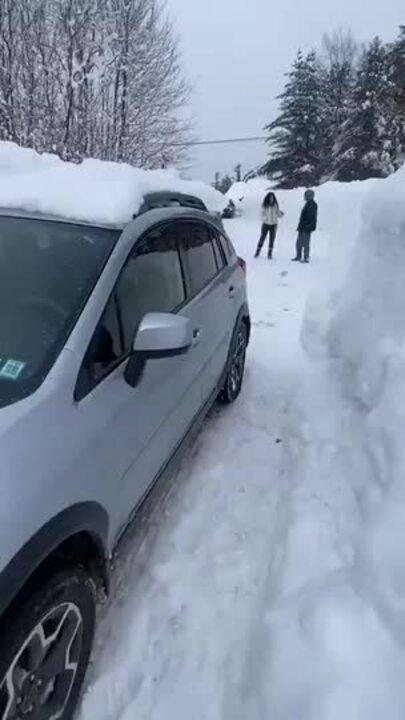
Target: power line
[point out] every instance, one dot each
(226, 141)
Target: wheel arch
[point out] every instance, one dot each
(78, 534)
(243, 316)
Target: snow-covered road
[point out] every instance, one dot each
(181, 637)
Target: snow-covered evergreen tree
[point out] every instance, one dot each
(368, 144)
(295, 137)
(342, 116)
(397, 79)
(338, 72)
(397, 60)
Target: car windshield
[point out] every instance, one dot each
(47, 270)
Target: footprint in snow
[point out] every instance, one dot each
(263, 324)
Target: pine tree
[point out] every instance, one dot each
(367, 146)
(397, 79)
(338, 73)
(397, 59)
(342, 117)
(296, 135)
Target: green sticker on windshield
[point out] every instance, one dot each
(12, 369)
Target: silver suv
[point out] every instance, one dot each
(114, 343)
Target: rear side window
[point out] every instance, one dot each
(218, 251)
(228, 248)
(199, 254)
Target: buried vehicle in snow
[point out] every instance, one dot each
(114, 342)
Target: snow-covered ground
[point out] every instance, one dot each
(268, 581)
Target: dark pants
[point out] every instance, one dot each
(272, 230)
(303, 244)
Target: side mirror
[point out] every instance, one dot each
(159, 335)
(163, 335)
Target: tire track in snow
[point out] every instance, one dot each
(243, 697)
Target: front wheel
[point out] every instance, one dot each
(236, 366)
(45, 650)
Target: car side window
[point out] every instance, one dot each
(219, 253)
(199, 255)
(151, 281)
(227, 248)
(104, 352)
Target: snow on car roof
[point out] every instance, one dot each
(94, 191)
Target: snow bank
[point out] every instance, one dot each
(336, 646)
(94, 191)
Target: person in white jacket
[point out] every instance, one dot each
(271, 215)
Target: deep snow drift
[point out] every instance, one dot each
(94, 191)
(269, 580)
(342, 617)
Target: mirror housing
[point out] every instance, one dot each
(163, 335)
(159, 335)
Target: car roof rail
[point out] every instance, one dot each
(165, 198)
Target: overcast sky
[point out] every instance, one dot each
(236, 52)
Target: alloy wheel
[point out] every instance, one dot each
(39, 681)
(237, 365)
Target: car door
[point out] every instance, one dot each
(133, 431)
(211, 293)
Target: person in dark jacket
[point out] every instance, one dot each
(307, 225)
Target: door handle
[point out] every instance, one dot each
(197, 333)
(231, 292)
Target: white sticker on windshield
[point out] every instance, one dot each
(12, 369)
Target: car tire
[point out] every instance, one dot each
(45, 649)
(235, 366)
